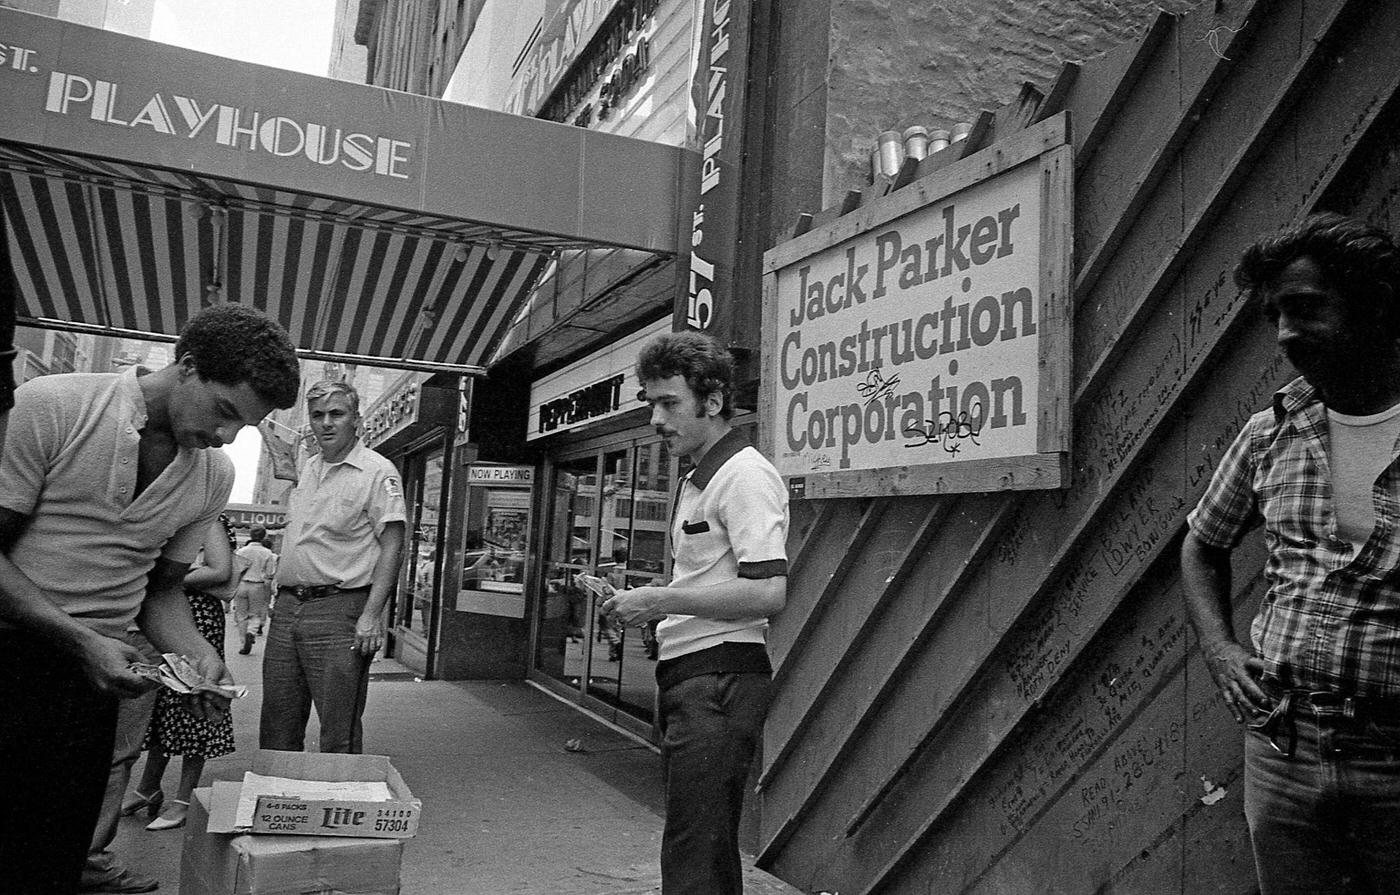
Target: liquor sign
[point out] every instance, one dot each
(246, 515)
(921, 344)
(718, 96)
(601, 386)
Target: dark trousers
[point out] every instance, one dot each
(310, 659)
(133, 717)
(710, 727)
(55, 751)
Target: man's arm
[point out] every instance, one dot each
(25, 606)
(738, 598)
(369, 629)
(167, 622)
(1205, 581)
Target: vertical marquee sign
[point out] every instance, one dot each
(718, 93)
(920, 344)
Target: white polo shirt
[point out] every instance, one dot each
(69, 466)
(731, 521)
(335, 515)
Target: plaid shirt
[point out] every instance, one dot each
(1331, 619)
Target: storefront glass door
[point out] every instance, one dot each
(424, 491)
(564, 620)
(608, 516)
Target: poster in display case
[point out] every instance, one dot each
(496, 536)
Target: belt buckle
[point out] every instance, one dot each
(1325, 702)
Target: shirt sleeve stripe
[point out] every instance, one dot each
(771, 568)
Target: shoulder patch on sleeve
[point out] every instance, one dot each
(393, 488)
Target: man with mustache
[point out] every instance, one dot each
(1318, 685)
(728, 577)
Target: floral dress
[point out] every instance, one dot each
(173, 730)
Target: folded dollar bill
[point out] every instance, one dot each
(599, 586)
(178, 673)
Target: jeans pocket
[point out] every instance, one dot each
(1385, 732)
(1269, 725)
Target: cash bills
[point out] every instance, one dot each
(178, 673)
(598, 586)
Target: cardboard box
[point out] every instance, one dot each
(394, 819)
(224, 864)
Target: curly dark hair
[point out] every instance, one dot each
(1359, 260)
(706, 365)
(233, 343)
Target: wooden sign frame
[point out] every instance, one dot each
(1042, 150)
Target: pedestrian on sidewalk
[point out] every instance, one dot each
(729, 576)
(174, 731)
(1318, 687)
(340, 560)
(250, 599)
(107, 489)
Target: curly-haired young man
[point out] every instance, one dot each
(106, 494)
(1319, 687)
(729, 576)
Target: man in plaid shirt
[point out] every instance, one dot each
(1319, 690)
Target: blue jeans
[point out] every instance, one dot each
(710, 726)
(1322, 798)
(56, 735)
(310, 659)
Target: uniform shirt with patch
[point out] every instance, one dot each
(69, 466)
(335, 515)
(731, 521)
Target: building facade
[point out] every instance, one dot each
(987, 690)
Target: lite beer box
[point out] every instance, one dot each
(396, 818)
(221, 864)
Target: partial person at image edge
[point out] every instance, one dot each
(1318, 686)
(107, 490)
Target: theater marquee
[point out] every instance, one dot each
(920, 344)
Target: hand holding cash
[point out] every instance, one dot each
(597, 586)
(179, 674)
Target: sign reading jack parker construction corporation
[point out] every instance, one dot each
(921, 344)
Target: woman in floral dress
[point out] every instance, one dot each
(173, 730)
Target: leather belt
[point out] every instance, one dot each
(1349, 706)
(312, 591)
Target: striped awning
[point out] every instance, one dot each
(99, 246)
(132, 230)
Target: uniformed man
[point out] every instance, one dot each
(340, 559)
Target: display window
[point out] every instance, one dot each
(494, 548)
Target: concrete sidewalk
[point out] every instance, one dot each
(507, 809)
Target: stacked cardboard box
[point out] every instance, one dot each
(299, 846)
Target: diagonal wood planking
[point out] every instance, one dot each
(1199, 362)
